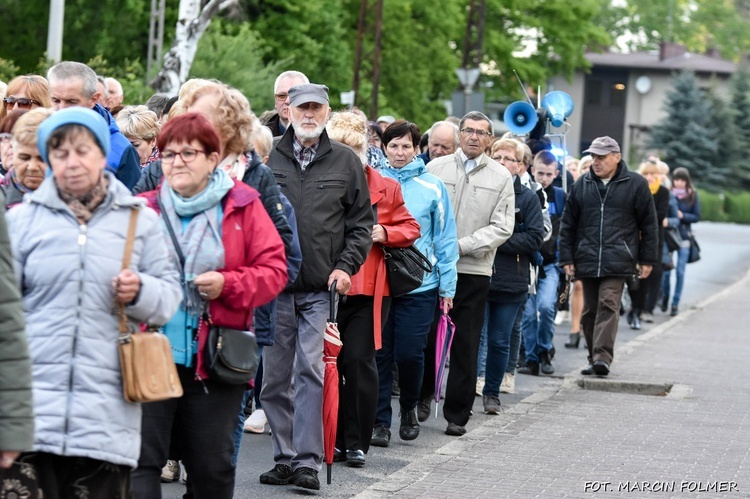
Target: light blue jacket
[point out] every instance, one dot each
(427, 200)
(65, 272)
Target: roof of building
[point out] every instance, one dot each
(651, 60)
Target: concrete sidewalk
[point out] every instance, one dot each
(575, 442)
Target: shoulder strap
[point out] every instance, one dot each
(122, 319)
(172, 235)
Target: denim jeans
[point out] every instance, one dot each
(403, 341)
(245, 401)
(482, 356)
(682, 259)
(502, 316)
(515, 342)
(539, 315)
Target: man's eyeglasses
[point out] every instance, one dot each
(471, 131)
(281, 97)
(188, 156)
(5, 138)
(505, 159)
(22, 102)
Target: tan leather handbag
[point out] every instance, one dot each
(148, 370)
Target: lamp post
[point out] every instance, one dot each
(55, 30)
(468, 77)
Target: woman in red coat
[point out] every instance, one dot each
(233, 261)
(361, 316)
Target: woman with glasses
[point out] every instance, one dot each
(25, 92)
(405, 332)
(232, 261)
(28, 169)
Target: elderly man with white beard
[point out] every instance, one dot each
(326, 185)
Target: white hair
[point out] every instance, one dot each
(289, 74)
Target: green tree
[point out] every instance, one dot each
(685, 135)
(233, 53)
(741, 126)
(723, 118)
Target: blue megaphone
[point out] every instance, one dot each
(559, 106)
(520, 117)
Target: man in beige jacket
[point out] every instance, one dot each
(481, 193)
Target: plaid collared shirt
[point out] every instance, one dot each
(305, 155)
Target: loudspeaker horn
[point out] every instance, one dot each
(520, 117)
(559, 106)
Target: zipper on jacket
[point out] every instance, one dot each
(601, 222)
(82, 239)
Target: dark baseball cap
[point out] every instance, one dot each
(603, 145)
(309, 92)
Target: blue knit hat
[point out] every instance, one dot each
(73, 116)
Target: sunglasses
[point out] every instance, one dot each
(23, 102)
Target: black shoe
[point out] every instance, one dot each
(674, 311)
(588, 370)
(423, 410)
(531, 368)
(455, 430)
(573, 340)
(355, 458)
(491, 404)
(395, 389)
(307, 478)
(409, 429)
(281, 474)
(381, 436)
(545, 364)
(339, 456)
(636, 324)
(601, 367)
(664, 304)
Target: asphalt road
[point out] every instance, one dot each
(725, 251)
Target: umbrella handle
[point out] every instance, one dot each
(332, 310)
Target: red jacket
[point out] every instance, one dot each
(255, 270)
(401, 229)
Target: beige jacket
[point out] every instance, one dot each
(484, 206)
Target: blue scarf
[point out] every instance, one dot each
(200, 241)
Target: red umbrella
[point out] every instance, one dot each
(331, 348)
(444, 339)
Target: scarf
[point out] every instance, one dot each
(654, 186)
(196, 224)
(235, 165)
(85, 206)
(679, 193)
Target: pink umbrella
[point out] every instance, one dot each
(331, 349)
(443, 342)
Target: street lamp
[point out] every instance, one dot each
(467, 77)
(55, 30)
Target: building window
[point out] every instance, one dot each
(594, 92)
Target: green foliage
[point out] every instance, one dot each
(8, 70)
(737, 207)
(713, 206)
(741, 124)
(722, 119)
(685, 135)
(233, 54)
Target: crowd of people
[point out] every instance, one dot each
(248, 223)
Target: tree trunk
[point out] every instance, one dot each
(192, 22)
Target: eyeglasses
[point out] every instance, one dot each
(503, 159)
(281, 97)
(22, 102)
(471, 131)
(187, 155)
(5, 138)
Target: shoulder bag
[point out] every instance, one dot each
(148, 370)
(673, 238)
(230, 355)
(406, 268)
(695, 249)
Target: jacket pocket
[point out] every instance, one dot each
(330, 183)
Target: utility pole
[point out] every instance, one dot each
(155, 37)
(55, 30)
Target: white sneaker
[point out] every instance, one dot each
(256, 423)
(561, 316)
(170, 472)
(480, 385)
(509, 383)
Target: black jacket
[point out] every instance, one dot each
(257, 175)
(274, 123)
(511, 268)
(332, 204)
(606, 235)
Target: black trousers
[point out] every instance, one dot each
(468, 317)
(358, 372)
(205, 423)
(63, 477)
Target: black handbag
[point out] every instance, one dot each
(231, 355)
(673, 238)
(695, 250)
(406, 268)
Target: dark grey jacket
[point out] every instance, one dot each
(16, 414)
(332, 204)
(606, 235)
